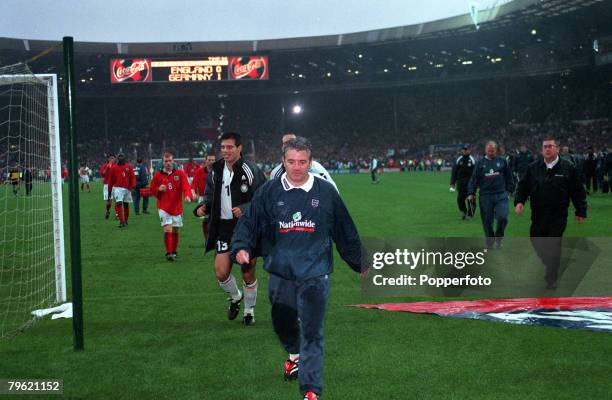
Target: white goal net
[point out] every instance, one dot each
(32, 267)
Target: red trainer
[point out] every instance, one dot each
(291, 369)
(310, 395)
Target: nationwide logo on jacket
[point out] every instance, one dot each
(491, 173)
(296, 225)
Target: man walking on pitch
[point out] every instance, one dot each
(105, 174)
(28, 178)
(169, 186)
(229, 189)
(550, 184)
(84, 177)
(460, 177)
(122, 181)
(142, 181)
(374, 170)
(294, 220)
(14, 178)
(492, 175)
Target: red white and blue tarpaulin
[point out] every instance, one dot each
(591, 313)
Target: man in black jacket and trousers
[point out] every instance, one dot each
(230, 185)
(460, 177)
(550, 184)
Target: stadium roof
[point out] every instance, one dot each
(517, 39)
(503, 13)
(207, 20)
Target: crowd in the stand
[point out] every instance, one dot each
(417, 129)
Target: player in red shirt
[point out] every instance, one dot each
(121, 184)
(190, 168)
(105, 174)
(198, 186)
(169, 186)
(64, 174)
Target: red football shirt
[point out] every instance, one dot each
(177, 185)
(105, 173)
(189, 168)
(122, 176)
(199, 181)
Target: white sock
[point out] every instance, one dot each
(293, 357)
(250, 297)
(230, 287)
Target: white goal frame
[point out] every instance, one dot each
(50, 80)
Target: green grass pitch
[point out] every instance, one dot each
(158, 330)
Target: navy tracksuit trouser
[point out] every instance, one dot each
(298, 311)
(494, 207)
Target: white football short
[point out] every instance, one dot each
(84, 178)
(105, 193)
(166, 219)
(122, 195)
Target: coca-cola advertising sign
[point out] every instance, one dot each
(130, 70)
(248, 68)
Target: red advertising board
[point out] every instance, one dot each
(249, 68)
(130, 70)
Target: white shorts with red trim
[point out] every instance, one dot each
(122, 195)
(166, 219)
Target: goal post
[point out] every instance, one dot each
(32, 258)
(55, 162)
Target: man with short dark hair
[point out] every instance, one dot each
(550, 184)
(229, 189)
(122, 181)
(292, 222)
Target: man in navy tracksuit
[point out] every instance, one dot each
(492, 175)
(292, 221)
